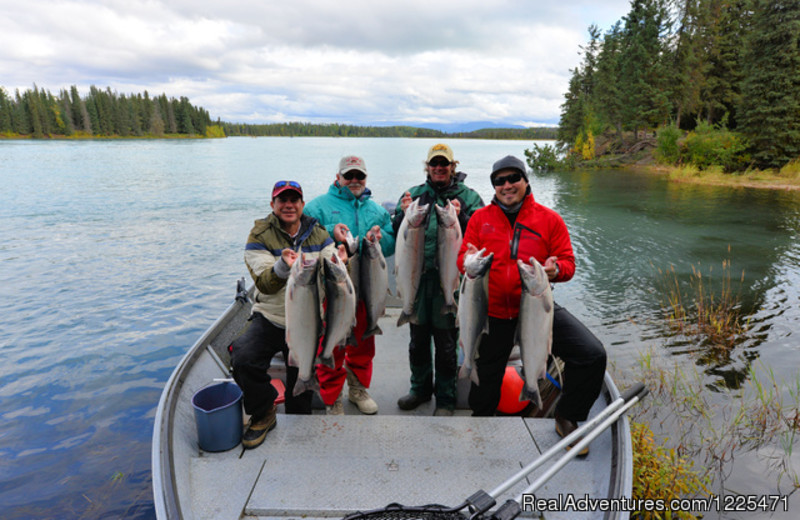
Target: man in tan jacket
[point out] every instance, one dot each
(274, 244)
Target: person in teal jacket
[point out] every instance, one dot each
(443, 184)
(347, 207)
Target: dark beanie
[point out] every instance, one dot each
(509, 162)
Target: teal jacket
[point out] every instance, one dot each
(340, 206)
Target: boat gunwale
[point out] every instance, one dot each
(162, 459)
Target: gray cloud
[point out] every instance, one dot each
(351, 61)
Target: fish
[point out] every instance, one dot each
(410, 258)
(303, 321)
(354, 270)
(535, 327)
(340, 313)
(448, 241)
(473, 319)
(374, 284)
(350, 244)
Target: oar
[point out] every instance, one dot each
(590, 430)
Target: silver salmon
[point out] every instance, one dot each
(473, 308)
(340, 313)
(448, 241)
(374, 284)
(410, 257)
(303, 321)
(535, 328)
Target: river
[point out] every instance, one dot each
(116, 255)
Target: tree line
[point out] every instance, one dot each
(731, 65)
(38, 113)
(297, 129)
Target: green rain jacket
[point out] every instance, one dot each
(430, 298)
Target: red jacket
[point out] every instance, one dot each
(538, 231)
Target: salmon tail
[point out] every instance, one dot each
(328, 361)
(371, 332)
(403, 319)
(304, 386)
(532, 395)
(473, 376)
(451, 308)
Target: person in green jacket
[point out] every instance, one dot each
(443, 184)
(347, 207)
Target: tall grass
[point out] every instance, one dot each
(694, 422)
(709, 310)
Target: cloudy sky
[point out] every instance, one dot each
(346, 61)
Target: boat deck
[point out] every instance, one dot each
(323, 466)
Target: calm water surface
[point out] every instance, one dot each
(115, 256)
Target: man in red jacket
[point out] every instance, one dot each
(515, 226)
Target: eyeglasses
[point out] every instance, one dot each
(439, 162)
(513, 178)
(358, 174)
(281, 184)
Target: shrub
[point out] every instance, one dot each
(667, 149)
(706, 146)
(543, 158)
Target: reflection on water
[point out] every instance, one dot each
(626, 227)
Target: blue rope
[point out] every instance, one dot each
(553, 380)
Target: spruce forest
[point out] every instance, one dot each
(724, 75)
(102, 113)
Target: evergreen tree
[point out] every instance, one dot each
(727, 24)
(5, 112)
(769, 111)
(573, 111)
(607, 95)
(689, 59)
(646, 87)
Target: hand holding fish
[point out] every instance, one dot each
(405, 201)
(374, 233)
(340, 232)
(456, 204)
(342, 252)
(471, 249)
(551, 267)
(289, 256)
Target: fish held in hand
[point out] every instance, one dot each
(340, 313)
(303, 321)
(535, 326)
(410, 257)
(448, 241)
(473, 309)
(374, 284)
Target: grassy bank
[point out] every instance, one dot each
(788, 178)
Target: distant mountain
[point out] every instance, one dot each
(452, 128)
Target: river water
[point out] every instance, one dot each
(116, 255)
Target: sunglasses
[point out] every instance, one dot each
(439, 162)
(358, 174)
(513, 178)
(281, 184)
